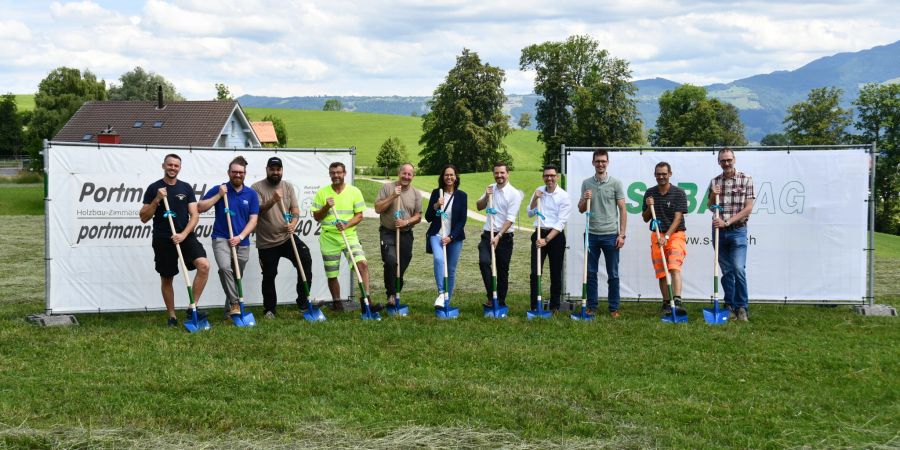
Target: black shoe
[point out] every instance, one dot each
(373, 307)
(173, 321)
(200, 315)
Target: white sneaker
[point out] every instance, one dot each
(439, 301)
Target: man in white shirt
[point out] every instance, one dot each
(505, 209)
(553, 213)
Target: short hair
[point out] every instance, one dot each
(441, 176)
(400, 167)
(337, 164)
(724, 150)
(600, 152)
(550, 167)
(501, 163)
(239, 160)
(661, 164)
(171, 155)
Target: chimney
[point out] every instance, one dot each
(108, 136)
(159, 97)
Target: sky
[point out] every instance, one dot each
(404, 47)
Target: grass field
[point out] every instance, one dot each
(368, 131)
(792, 377)
(24, 102)
(21, 199)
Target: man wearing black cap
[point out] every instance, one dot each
(273, 231)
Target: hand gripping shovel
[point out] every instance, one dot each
(539, 313)
(367, 313)
(242, 318)
(312, 314)
(583, 315)
(447, 311)
(494, 311)
(673, 317)
(715, 316)
(195, 323)
(397, 309)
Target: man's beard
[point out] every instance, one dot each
(273, 179)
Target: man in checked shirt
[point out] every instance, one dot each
(735, 195)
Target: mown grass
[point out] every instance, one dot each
(367, 131)
(793, 377)
(24, 102)
(19, 199)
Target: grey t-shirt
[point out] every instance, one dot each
(270, 227)
(410, 199)
(604, 212)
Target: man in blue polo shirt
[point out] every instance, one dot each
(243, 207)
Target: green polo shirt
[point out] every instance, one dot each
(604, 212)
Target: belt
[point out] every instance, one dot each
(735, 226)
(388, 230)
(488, 234)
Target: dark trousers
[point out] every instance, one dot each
(268, 260)
(389, 256)
(556, 250)
(503, 253)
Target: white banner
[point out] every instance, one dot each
(806, 236)
(99, 253)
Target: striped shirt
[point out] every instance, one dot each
(665, 206)
(734, 194)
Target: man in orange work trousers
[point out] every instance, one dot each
(670, 203)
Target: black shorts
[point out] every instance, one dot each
(166, 256)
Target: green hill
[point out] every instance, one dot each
(367, 131)
(25, 102)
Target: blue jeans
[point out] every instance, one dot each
(733, 262)
(605, 244)
(454, 248)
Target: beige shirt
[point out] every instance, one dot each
(270, 228)
(410, 199)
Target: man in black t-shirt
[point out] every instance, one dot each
(183, 202)
(670, 204)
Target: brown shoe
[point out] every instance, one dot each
(235, 310)
(337, 305)
(614, 314)
(742, 315)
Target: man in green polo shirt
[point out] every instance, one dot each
(338, 207)
(606, 229)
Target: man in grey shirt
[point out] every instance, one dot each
(606, 229)
(410, 213)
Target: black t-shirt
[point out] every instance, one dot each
(667, 205)
(180, 196)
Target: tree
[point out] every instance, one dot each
(59, 95)
(222, 93)
(280, 129)
(466, 124)
(774, 140)
(878, 118)
(578, 71)
(392, 154)
(819, 120)
(11, 135)
(688, 118)
(332, 104)
(524, 120)
(139, 84)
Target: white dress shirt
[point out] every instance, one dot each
(555, 206)
(506, 201)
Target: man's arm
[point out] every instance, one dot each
(194, 220)
(207, 202)
(623, 223)
(149, 209)
(382, 204)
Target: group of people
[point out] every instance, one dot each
(270, 209)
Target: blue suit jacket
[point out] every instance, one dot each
(457, 218)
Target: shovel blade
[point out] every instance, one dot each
(398, 310)
(248, 319)
(446, 312)
(583, 315)
(238, 320)
(538, 314)
(314, 315)
(715, 316)
(498, 312)
(673, 317)
(370, 316)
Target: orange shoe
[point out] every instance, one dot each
(614, 314)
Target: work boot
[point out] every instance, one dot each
(732, 314)
(614, 314)
(742, 315)
(337, 305)
(235, 310)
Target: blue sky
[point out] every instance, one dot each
(402, 47)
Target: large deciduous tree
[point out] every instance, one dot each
(466, 124)
(138, 84)
(878, 118)
(391, 154)
(11, 135)
(59, 95)
(819, 120)
(586, 96)
(688, 118)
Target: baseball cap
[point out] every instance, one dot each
(274, 161)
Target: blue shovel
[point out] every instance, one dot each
(583, 315)
(397, 309)
(367, 313)
(195, 323)
(240, 318)
(312, 314)
(673, 317)
(539, 313)
(447, 311)
(715, 316)
(494, 311)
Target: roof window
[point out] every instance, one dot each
(87, 137)
(158, 124)
(138, 124)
